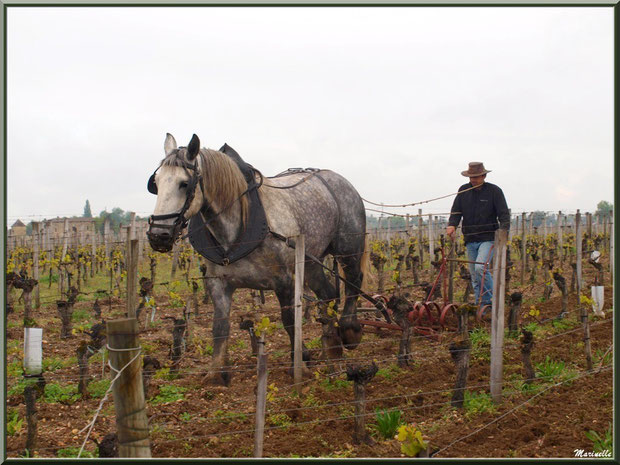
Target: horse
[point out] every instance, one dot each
(214, 191)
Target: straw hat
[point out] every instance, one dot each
(476, 168)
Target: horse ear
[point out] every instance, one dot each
(193, 147)
(170, 144)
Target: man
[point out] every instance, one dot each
(481, 205)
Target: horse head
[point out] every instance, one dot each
(177, 182)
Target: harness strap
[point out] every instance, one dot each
(378, 303)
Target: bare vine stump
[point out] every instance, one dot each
(153, 266)
(573, 277)
(195, 298)
(460, 353)
(203, 272)
(400, 307)
(547, 266)
(82, 353)
(527, 343)
(27, 285)
(516, 299)
(108, 447)
(248, 325)
(97, 309)
(560, 281)
(32, 392)
(415, 268)
(598, 277)
(149, 366)
(586, 337)
(178, 342)
(360, 377)
(331, 344)
(65, 310)
(466, 276)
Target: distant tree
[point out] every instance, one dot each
(87, 212)
(603, 208)
(117, 217)
(537, 218)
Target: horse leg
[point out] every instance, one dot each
(286, 297)
(327, 293)
(222, 298)
(349, 328)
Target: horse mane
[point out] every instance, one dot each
(223, 181)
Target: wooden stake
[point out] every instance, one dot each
(261, 398)
(497, 320)
(420, 239)
(523, 249)
(132, 269)
(578, 239)
(300, 257)
(131, 420)
(35, 262)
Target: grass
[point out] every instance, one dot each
(281, 420)
(480, 340)
(389, 372)
(554, 371)
(477, 403)
(168, 393)
(58, 393)
(14, 424)
(97, 389)
(387, 422)
(333, 384)
(72, 452)
(602, 442)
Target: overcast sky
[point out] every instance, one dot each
(398, 100)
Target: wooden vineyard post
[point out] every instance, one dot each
(261, 398)
(131, 424)
(589, 224)
(65, 238)
(560, 238)
(93, 253)
(497, 319)
(35, 262)
(431, 245)
(578, 240)
(451, 256)
(132, 269)
(106, 241)
(523, 249)
(611, 245)
(300, 257)
(420, 237)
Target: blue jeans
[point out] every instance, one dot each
(481, 252)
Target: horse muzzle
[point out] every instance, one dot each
(162, 236)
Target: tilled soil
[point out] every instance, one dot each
(214, 421)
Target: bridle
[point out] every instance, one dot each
(180, 221)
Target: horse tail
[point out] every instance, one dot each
(365, 261)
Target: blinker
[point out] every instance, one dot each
(151, 186)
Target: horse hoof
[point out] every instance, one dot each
(350, 334)
(219, 379)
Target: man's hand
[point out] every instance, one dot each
(451, 232)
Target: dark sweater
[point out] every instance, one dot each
(480, 209)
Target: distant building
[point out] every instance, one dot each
(56, 226)
(18, 229)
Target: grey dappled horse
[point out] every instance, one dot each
(320, 204)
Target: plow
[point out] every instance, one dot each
(427, 317)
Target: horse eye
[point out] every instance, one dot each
(182, 185)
